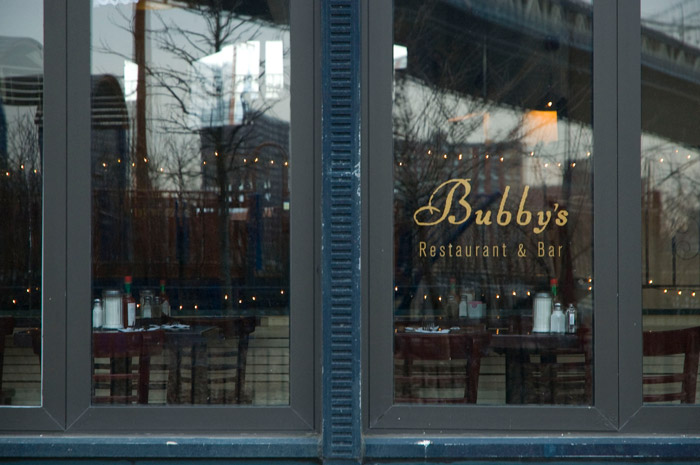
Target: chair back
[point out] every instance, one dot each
(684, 342)
(119, 375)
(437, 368)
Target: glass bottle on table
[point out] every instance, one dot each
(128, 305)
(464, 304)
(163, 300)
(98, 315)
(557, 319)
(452, 310)
(571, 319)
(553, 283)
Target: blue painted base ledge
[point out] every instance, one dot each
(385, 449)
(524, 447)
(132, 447)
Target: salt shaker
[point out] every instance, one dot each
(571, 319)
(557, 319)
(98, 315)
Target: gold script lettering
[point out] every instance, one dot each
(445, 213)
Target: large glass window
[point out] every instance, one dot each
(21, 156)
(190, 202)
(493, 203)
(670, 206)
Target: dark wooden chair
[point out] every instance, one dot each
(437, 368)
(7, 326)
(669, 382)
(558, 370)
(120, 375)
(226, 357)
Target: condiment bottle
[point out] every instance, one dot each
(452, 308)
(147, 305)
(571, 319)
(98, 315)
(463, 303)
(128, 305)
(553, 283)
(557, 319)
(163, 300)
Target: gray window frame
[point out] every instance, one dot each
(50, 416)
(382, 416)
(66, 377)
(300, 414)
(635, 417)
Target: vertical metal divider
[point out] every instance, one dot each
(340, 231)
(78, 209)
(53, 357)
(629, 218)
(605, 209)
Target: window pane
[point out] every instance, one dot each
(670, 193)
(493, 205)
(190, 206)
(21, 86)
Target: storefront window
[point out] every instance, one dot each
(493, 204)
(190, 202)
(21, 156)
(670, 207)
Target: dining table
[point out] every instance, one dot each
(519, 345)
